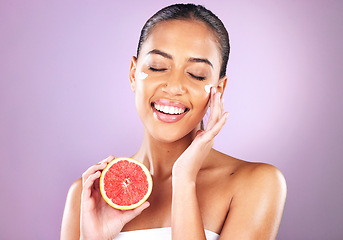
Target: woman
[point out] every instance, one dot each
(198, 193)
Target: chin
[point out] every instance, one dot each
(164, 132)
(173, 135)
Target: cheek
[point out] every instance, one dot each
(143, 86)
(141, 95)
(145, 89)
(200, 98)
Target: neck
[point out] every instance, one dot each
(160, 156)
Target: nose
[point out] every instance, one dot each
(174, 86)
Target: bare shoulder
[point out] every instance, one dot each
(262, 174)
(249, 174)
(258, 194)
(71, 216)
(74, 193)
(77, 185)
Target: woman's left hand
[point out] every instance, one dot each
(189, 163)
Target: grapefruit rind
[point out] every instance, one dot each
(132, 206)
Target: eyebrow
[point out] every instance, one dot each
(201, 60)
(166, 55)
(159, 52)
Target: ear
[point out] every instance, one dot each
(222, 85)
(132, 73)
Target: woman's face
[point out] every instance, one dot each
(171, 78)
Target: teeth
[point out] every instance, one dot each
(169, 109)
(166, 109)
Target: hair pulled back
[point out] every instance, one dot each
(191, 12)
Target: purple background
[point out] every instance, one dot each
(66, 103)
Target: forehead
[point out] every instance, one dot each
(183, 38)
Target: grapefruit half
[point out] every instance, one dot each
(125, 183)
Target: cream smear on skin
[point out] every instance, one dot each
(208, 88)
(142, 75)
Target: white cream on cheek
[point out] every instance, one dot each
(141, 75)
(208, 88)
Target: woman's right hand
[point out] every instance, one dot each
(99, 220)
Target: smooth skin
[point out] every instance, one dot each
(195, 186)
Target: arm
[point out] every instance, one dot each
(256, 208)
(70, 228)
(186, 217)
(87, 215)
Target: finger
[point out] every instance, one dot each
(141, 208)
(107, 160)
(218, 108)
(100, 166)
(217, 127)
(216, 111)
(212, 99)
(131, 214)
(198, 132)
(213, 92)
(87, 187)
(222, 103)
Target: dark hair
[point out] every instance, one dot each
(191, 12)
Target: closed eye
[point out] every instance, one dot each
(197, 77)
(157, 69)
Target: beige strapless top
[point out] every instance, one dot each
(157, 234)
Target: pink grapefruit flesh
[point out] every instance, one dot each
(125, 183)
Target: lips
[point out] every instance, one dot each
(169, 111)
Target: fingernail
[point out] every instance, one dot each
(105, 159)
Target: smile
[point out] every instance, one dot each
(168, 111)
